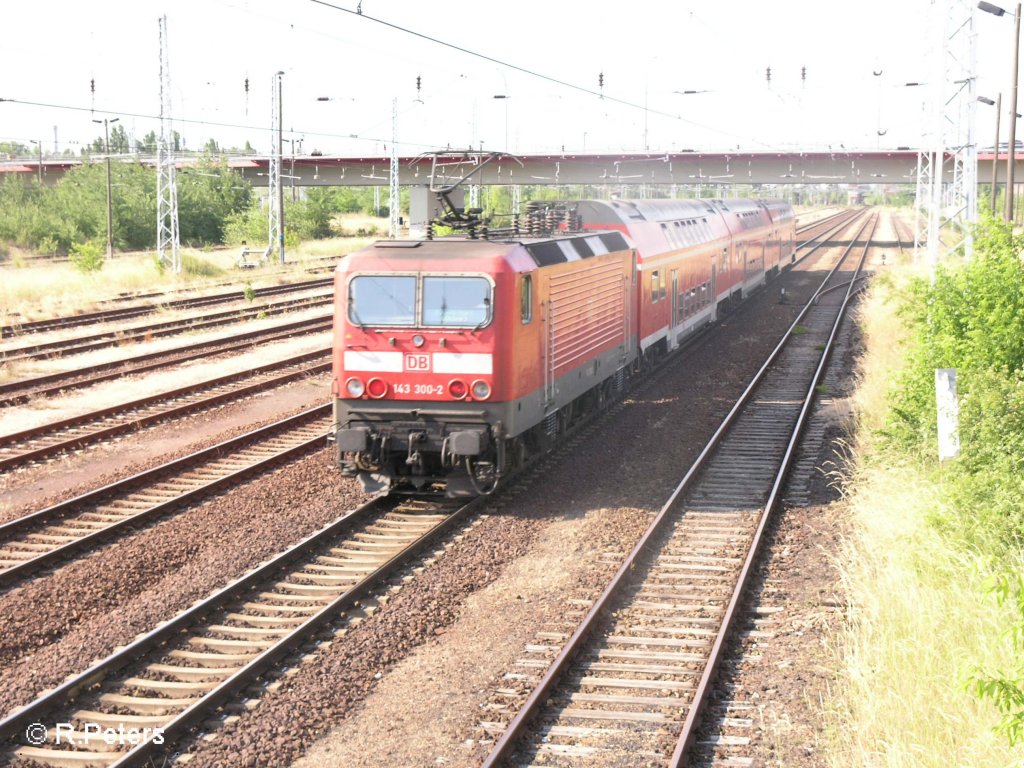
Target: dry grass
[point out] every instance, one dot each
(32, 290)
(919, 619)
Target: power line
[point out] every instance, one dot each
(532, 73)
(499, 62)
(293, 131)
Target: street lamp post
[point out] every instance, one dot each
(280, 152)
(39, 166)
(110, 214)
(505, 97)
(1011, 151)
(998, 103)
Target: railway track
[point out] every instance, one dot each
(18, 448)
(118, 337)
(631, 683)
(824, 222)
(904, 237)
(126, 313)
(172, 680)
(22, 390)
(819, 232)
(50, 535)
(175, 677)
(729, 735)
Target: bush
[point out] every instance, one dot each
(972, 319)
(75, 209)
(87, 257)
(196, 267)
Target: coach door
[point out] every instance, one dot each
(675, 308)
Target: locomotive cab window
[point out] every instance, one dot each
(456, 301)
(382, 300)
(526, 307)
(428, 300)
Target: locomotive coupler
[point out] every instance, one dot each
(414, 458)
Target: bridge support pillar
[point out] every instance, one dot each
(424, 206)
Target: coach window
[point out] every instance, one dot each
(456, 301)
(655, 286)
(382, 300)
(526, 308)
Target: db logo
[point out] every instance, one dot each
(417, 362)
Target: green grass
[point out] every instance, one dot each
(920, 620)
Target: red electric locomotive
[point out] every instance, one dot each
(456, 358)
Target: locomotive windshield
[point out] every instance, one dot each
(444, 300)
(382, 300)
(456, 301)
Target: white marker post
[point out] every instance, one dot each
(948, 413)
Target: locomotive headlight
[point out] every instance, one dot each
(481, 389)
(376, 388)
(354, 387)
(457, 389)
(417, 340)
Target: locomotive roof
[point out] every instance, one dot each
(544, 251)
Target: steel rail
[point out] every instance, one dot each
(181, 724)
(191, 352)
(696, 710)
(204, 350)
(819, 222)
(67, 509)
(167, 328)
(824, 235)
(11, 724)
(518, 725)
(123, 313)
(125, 426)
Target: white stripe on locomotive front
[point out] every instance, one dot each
(381, 362)
(467, 362)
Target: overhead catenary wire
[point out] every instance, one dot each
(601, 94)
(190, 121)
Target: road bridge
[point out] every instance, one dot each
(631, 169)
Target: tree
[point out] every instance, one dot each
(148, 143)
(211, 147)
(13, 148)
(119, 143)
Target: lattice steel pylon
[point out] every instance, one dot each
(275, 236)
(168, 244)
(394, 198)
(947, 165)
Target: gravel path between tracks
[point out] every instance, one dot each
(43, 484)
(84, 610)
(108, 394)
(408, 685)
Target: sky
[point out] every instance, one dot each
(544, 58)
